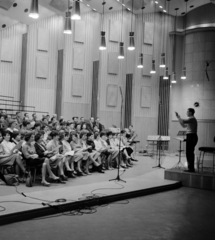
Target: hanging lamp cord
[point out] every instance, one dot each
(122, 20)
(154, 30)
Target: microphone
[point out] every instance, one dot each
(120, 89)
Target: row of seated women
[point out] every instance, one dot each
(64, 154)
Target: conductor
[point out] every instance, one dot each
(191, 124)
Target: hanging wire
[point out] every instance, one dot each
(142, 25)
(132, 14)
(175, 40)
(185, 32)
(154, 31)
(103, 14)
(167, 54)
(122, 20)
(163, 32)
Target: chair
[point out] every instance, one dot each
(203, 150)
(4, 168)
(33, 170)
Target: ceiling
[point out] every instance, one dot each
(17, 10)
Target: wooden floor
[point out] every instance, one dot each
(141, 176)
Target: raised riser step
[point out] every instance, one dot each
(194, 180)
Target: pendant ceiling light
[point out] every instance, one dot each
(121, 44)
(131, 46)
(103, 42)
(183, 76)
(173, 78)
(76, 13)
(68, 22)
(140, 61)
(153, 71)
(163, 64)
(34, 10)
(166, 76)
(121, 51)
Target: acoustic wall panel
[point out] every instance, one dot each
(80, 31)
(112, 95)
(43, 40)
(148, 33)
(113, 63)
(145, 101)
(42, 67)
(114, 27)
(7, 50)
(77, 85)
(147, 63)
(78, 58)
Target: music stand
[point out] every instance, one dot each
(159, 153)
(181, 138)
(159, 140)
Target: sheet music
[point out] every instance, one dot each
(158, 138)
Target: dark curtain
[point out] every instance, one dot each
(128, 100)
(59, 83)
(95, 83)
(163, 113)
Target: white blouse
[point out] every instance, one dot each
(98, 145)
(8, 146)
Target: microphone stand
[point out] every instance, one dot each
(118, 176)
(159, 141)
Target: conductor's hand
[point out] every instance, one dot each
(177, 115)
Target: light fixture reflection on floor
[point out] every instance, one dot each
(34, 10)
(163, 64)
(166, 76)
(153, 67)
(76, 14)
(103, 42)
(68, 24)
(140, 61)
(173, 78)
(184, 74)
(121, 51)
(131, 41)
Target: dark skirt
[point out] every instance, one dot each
(129, 150)
(34, 162)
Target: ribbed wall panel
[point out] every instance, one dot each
(152, 81)
(92, 20)
(125, 65)
(150, 115)
(45, 89)
(10, 72)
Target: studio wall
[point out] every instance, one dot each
(42, 57)
(77, 80)
(145, 118)
(196, 88)
(80, 50)
(10, 64)
(110, 82)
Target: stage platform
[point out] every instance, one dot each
(203, 180)
(96, 189)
